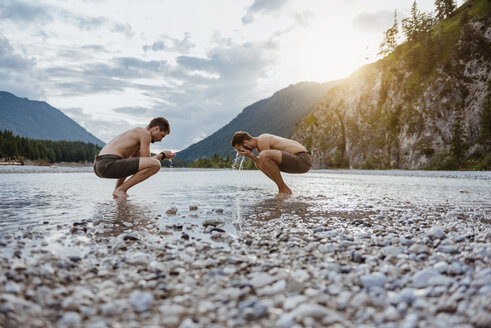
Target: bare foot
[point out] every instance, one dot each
(284, 194)
(119, 194)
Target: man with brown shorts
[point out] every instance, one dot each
(275, 154)
(129, 154)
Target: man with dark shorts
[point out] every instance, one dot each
(275, 154)
(129, 155)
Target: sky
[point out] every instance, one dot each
(112, 65)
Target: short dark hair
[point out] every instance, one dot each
(239, 138)
(161, 122)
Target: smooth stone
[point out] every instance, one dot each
(304, 310)
(421, 279)
(260, 279)
(129, 237)
(69, 319)
(391, 251)
(12, 287)
(292, 302)
(171, 211)
(300, 275)
(213, 222)
(436, 232)
(141, 301)
(373, 280)
(441, 267)
(277, 288)
(419, 249)
(452, 215)
(448, 249)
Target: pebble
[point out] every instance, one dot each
(373, 280)
(141, 301)
(289, 268)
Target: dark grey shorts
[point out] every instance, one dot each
(295, 163)
(115, 167)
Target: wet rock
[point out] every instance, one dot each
(193, 207)
(171, 211)
(215, 222)
(130, 237)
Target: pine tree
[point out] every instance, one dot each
(444, 8)
(418, 24)
(389, 43)
(409, 24)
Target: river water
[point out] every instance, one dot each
(36, 197)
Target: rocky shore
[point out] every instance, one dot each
(399, 267)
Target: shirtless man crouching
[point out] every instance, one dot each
(275, 154)
(129, 154)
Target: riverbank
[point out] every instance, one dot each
(341, 255)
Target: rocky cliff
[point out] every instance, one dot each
(426, 105)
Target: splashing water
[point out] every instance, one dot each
(238, 163)
(171, 165)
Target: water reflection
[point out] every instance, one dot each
(122, 216)
(270, 209)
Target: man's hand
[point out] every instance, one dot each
(168, 154)
(245, 152)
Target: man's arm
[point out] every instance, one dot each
(145, 139)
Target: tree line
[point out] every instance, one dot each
(20, 148)
(416, 27)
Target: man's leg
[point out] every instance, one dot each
(146, 168)
(269, 165)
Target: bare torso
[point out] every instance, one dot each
(132, 143)
(270, 141)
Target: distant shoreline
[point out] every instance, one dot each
(64, 167)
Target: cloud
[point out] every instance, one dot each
(263, 7)
(131, 110)
(27, 13)
(102, 128)
(18, 74)
(123, 29)
(170, 44)
(374, 22)
(90, 23)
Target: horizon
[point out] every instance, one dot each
(113, 72)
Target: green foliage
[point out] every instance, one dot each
(444, 8)
(217, 162)
(389, 42)
(417, 24)
(16, 147)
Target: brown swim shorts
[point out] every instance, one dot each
(295, 163)
(115, 167)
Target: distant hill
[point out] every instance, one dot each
(277, 115)
(39, 120)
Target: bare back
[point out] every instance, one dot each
(270, 141)
(134, 142)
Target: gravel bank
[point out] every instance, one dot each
(399, 267)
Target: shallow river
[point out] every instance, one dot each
(51, 196)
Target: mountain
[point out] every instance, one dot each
(39, 120)
(277, 115)
(425, 105)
